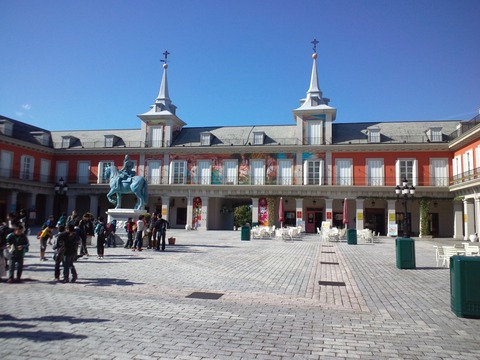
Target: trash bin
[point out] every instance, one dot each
(405, 249)
(245, 232)
(465, 286)
(352, 236)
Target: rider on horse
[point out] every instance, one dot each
(126, 173)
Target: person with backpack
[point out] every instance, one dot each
(59, 247)
(18, 243)
(129, 230)
(161, 226)
(102, 234)
(71, 248)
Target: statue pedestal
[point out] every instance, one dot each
(122, 215)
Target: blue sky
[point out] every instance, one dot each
(94, 64)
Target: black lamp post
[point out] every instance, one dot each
(405, 190)
(60, 187)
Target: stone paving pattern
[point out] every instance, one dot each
(134, 305)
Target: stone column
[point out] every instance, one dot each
(469, 218)
(359, 214)
(204, 213)
(189, 210)
(457, 220)
(12, 202)
(165, 207)
(49, 204)
(93, 205)
(390, 214)
(254, 212)
(299, 211)
(329, 210)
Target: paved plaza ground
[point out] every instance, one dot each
(213, 296)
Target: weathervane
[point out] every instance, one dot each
(315, 42)
(166, 53)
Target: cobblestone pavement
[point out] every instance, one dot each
(264, 301)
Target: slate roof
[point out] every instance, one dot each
(26, 132)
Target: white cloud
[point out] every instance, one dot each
(26, 106)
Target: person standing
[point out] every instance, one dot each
(151, 233)
(71, 245)
(4, 232)
(82, 233)
(111, 229)
(46, 236)
(72, 218)
(19, 242)
(102, 233)
(129, 231)
(139, 236)
(161, 226)
(59, 248)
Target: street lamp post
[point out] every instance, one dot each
(405, 191)
(60, 187)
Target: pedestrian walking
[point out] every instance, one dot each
(102, 233)
(139, 235)
(82, 233)
(111, 229)
(59, 248)
(18, 243)
(129, 230)
(71, 246)
(161, 226)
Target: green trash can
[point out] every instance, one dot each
(245, 232)
(352, 236)
(405, 249)
(465, 286)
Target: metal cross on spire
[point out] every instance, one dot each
(166, 53)
(315, 42)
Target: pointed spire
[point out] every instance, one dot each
(163, 99)
(314, 87)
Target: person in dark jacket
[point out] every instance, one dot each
(71, 245)
(102, 234)
(18, 241)
(161, 226)
(59, 247)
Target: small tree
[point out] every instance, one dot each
(242, 215)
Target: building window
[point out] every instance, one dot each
(373, 135)
(6, 127)
(26, 167)
(66, 142)
(285, 172)
(375, 173)
(406, 169)
(313, 172)
(83, 172)
(258, 138)
(204, 172)
(156, 136)
(6, 162)
(154, 172)
(205, 138)
(109, 140)
(257, 171)
(178, 172)
(102, 166)
(314, 132)
(230, 172)
(44, 170)
(439, 172)
(344, 172)
(434, 134)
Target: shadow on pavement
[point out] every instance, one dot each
(106, 282)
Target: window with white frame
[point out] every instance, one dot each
(204, 172)
(26, 167)
(258, 137)
(257, 172)
(375, 173)
(230, 172)
(102, 166)
(344, 172)
(285, 172)
(468, 163)
(109, 140)
(438, 172)
(154, 172)
(178, 172)
(374, 135)
(66, 140)
(457, 169)
(314, 132)
(313, 172)
(434, 134)
(83, 172)
(406, 169)
(6, 163)
(205, 138)
(61, 170)
(156, 136)
(45, 170)
(6, 127)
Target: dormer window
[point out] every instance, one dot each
(109, 140)
(258, 138)
(205, 138)
(42, 137)
(373, 134)
(6, 127)
(66, 141)
(434, 134)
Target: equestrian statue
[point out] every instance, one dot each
(125, 181)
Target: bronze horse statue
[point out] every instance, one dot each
(136, 185)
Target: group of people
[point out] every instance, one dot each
(155, 228)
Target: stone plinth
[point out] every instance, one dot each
(122, 215)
